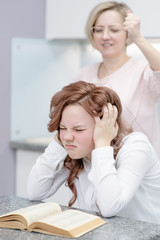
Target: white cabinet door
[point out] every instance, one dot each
(66, 19)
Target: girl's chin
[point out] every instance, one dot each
(75, 157)
(79, 155)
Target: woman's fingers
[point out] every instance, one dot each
(132, 25)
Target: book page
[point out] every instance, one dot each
(35, 212)
(70, 219)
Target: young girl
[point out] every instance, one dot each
(108, 167)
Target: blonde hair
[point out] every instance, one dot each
(98, 10)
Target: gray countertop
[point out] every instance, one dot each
(23, 145)
(31, 144)
(116, 228)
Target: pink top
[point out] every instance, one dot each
(139, 90)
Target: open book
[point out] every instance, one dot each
(49, 218)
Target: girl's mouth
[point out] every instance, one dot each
(70, 146)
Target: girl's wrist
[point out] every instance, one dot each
(99, 144)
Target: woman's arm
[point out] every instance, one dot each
(132, 26)
(48, 174)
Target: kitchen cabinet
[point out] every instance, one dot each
(65, 19)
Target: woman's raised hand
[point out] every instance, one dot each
(132, 26)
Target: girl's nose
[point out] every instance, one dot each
(68, 136)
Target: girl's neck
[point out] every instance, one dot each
(108, 66)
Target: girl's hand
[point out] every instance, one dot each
(56, 138)
(106, 128)
(132, 26)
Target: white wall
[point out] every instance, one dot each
(148, 11)
(18, 18)
(67, 18)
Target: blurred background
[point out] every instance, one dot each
(42, 48)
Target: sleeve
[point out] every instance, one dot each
(152, 79)
(48, 174)
(116, 184)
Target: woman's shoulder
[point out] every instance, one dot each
(138, 62)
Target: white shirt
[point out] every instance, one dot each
(128, 186)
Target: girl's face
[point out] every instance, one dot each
(109, 36)
(76, 131)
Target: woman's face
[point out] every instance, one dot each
(109, 36)
(76, 131)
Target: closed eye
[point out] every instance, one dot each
(79, 130)
(62, 128)
(114, 30)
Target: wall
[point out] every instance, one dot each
(18, 18)
(76, 13)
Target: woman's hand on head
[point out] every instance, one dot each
(132, 26)
(106, 128)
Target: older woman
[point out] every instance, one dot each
(111, 26)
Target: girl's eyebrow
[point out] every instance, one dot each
(76, 126)
(79, 126)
